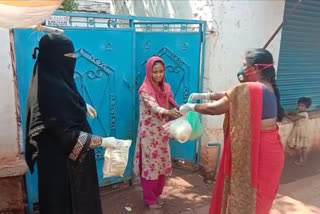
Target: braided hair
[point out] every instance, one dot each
(262, 56)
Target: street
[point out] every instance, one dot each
(186, 193)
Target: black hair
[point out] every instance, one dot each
(306, 101)
(158, 61)
(262, 56)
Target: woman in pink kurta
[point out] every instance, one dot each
(152, 157)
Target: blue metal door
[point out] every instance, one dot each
(111, 54)
(104, 78)
(180, 49)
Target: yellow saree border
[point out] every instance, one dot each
(239, 197)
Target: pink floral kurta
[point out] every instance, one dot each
(152, 157)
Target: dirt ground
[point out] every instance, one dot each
(186, 193)
(299, 190)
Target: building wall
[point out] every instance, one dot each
(9, 146)
(12, 165)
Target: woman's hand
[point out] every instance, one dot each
(184, 109)
(173, 114)
(91, 112)
(166, 128)
(109, 142)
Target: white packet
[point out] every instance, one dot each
(116, 159)
(180, 129)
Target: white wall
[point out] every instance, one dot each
(94, 5)
(233, 27)
(9, 146)
(240, 25)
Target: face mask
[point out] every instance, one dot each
(247, 75)
(241, 75)
(70, 63)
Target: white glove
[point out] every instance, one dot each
(109, 142)
(91, 112)
(199, 96)
(184, 109)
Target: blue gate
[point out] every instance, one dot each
(180, 48)
(111, 54)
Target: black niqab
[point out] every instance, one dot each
(53, 98)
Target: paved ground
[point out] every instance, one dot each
(186, 193)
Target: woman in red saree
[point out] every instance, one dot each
(253, 157)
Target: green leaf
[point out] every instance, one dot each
(69, 5)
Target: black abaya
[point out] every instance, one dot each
(58, 134)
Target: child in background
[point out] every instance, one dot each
(298, 138)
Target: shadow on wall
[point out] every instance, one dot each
(153, 8)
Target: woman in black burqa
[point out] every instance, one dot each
(58, 135)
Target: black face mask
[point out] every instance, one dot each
(241, 75)
(70, 64)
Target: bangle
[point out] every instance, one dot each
(95, 141)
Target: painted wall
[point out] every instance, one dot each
(9, 144)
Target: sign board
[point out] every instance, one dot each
(62, 21)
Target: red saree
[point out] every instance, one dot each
(252, 159)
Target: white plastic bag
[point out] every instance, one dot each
(116, 159)
(180, 129)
